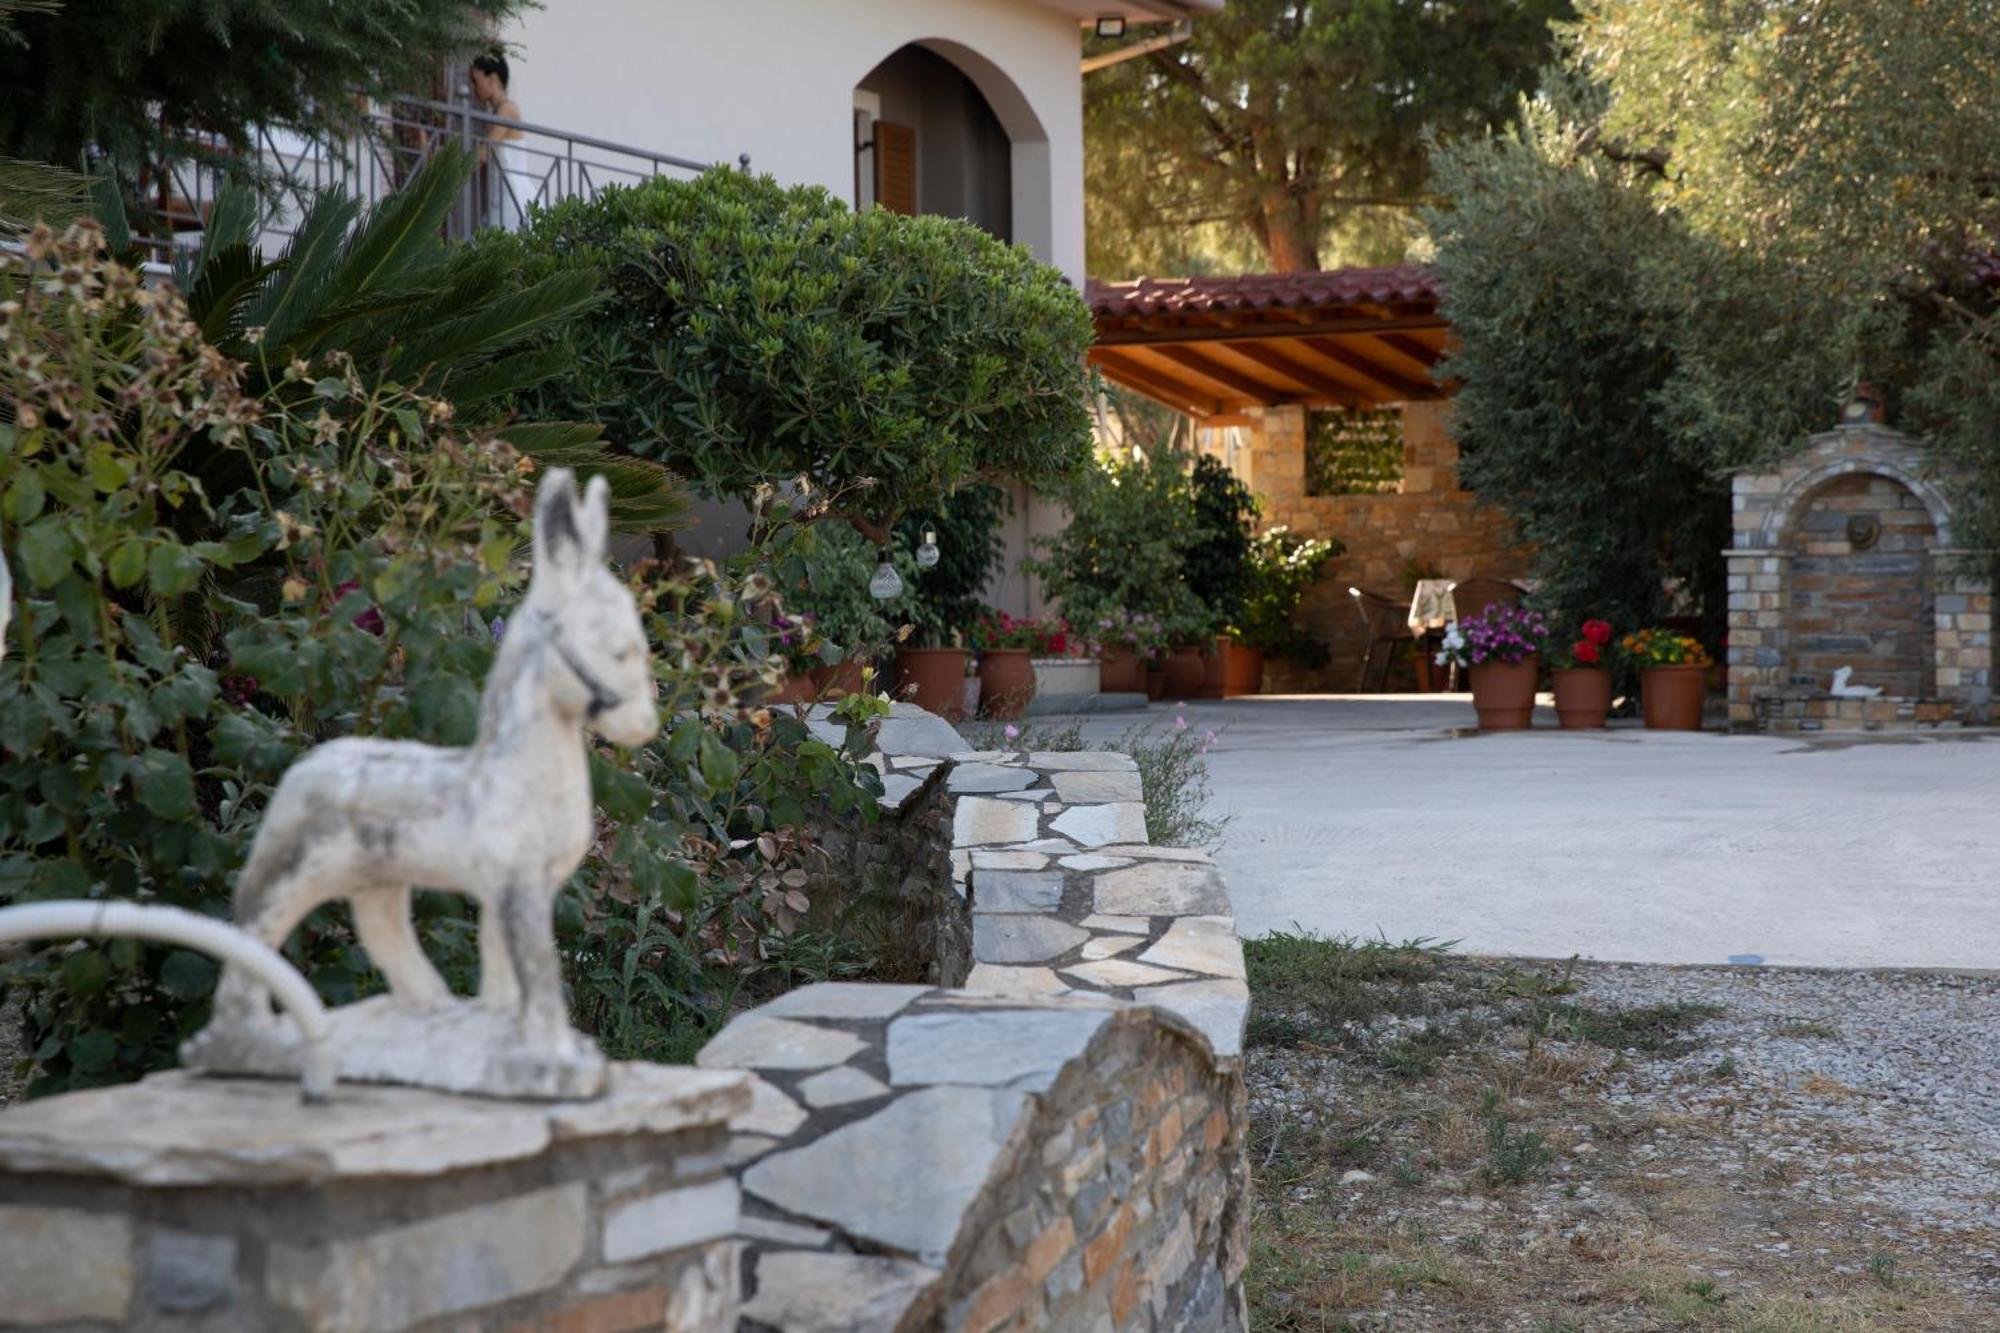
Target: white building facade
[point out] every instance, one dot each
(982, 99)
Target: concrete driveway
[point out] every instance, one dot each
(1378, 816)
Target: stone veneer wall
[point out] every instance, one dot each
(1430, 521)
(186, 1203)
(1060, 1144)
(1914, 615)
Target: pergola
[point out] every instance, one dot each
(1215, 348)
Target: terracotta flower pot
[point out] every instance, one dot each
(1503, 693)
(1214, 667)
(1583, 697)
(799, 689)
(1156, 681)
(1673, 697)
(843, 679)
(932, 678)
(1184, 673)
(1242, 671)
(1006, 681)
(1121, 673)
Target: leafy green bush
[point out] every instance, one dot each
(176, 643)
(759, 333)
(1216, 562)
(1283, 567)
(945, 599)
(1124, 549)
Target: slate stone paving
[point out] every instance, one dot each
(882, 1114)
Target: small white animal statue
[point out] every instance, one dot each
(1842, 690)
(505, 822)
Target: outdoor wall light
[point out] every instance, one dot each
(927, 554)
(1111, 25)
(887, 582)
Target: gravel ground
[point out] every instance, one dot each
(1905, 1067)
(1789, 1152)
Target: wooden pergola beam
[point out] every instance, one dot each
(1396, 383)
(1253, 390)
(1325, 386)
(1160, 387)
(1410, 347)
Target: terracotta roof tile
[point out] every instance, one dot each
(1392, 283)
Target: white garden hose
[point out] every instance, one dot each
(219, 939)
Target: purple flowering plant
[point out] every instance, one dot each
(798, 641)
(1500, 633)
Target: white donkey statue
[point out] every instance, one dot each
(505, 822)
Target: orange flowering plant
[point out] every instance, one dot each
(1663, 647)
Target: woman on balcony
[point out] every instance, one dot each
(502, 201)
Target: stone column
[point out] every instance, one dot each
(1759, 606)
(1278, 461)
(1963, 593)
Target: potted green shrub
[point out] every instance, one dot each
(1501, 651)
(1580, 676)
(1217, 561)
(1283, 566)
(1127, 642)
(1673, 678)
(940, 600)
(1123, 553)
(832, 627)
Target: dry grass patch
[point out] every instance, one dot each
(1452, 1145)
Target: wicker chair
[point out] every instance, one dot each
(1388, 623)
(1471, 597)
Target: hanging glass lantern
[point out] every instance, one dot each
(886, 582)
(927, 554)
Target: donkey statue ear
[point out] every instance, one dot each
(594, 520)
(559, 536)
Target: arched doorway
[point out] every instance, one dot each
(939, 130)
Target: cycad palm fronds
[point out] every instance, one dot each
(383, 287)
(33, 192)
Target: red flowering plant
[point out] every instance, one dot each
(1051, 637)
(1593, 647)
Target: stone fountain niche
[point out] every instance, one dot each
(1844, 557)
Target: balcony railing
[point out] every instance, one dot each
(539, 167)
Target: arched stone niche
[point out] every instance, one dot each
(1844, 555)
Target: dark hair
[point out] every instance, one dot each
(492, 63)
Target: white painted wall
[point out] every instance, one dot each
(709, 79)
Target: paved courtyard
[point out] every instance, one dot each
(1378, 816)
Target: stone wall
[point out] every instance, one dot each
(1429, 523)
(193, 1204)
(1844, 555)
(1058, 1145)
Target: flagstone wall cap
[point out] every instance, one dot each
(179, 1128)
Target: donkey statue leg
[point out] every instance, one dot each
(531, 944)
(389, 933)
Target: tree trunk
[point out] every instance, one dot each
(1290, 233)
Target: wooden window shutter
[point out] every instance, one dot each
(896, 167)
